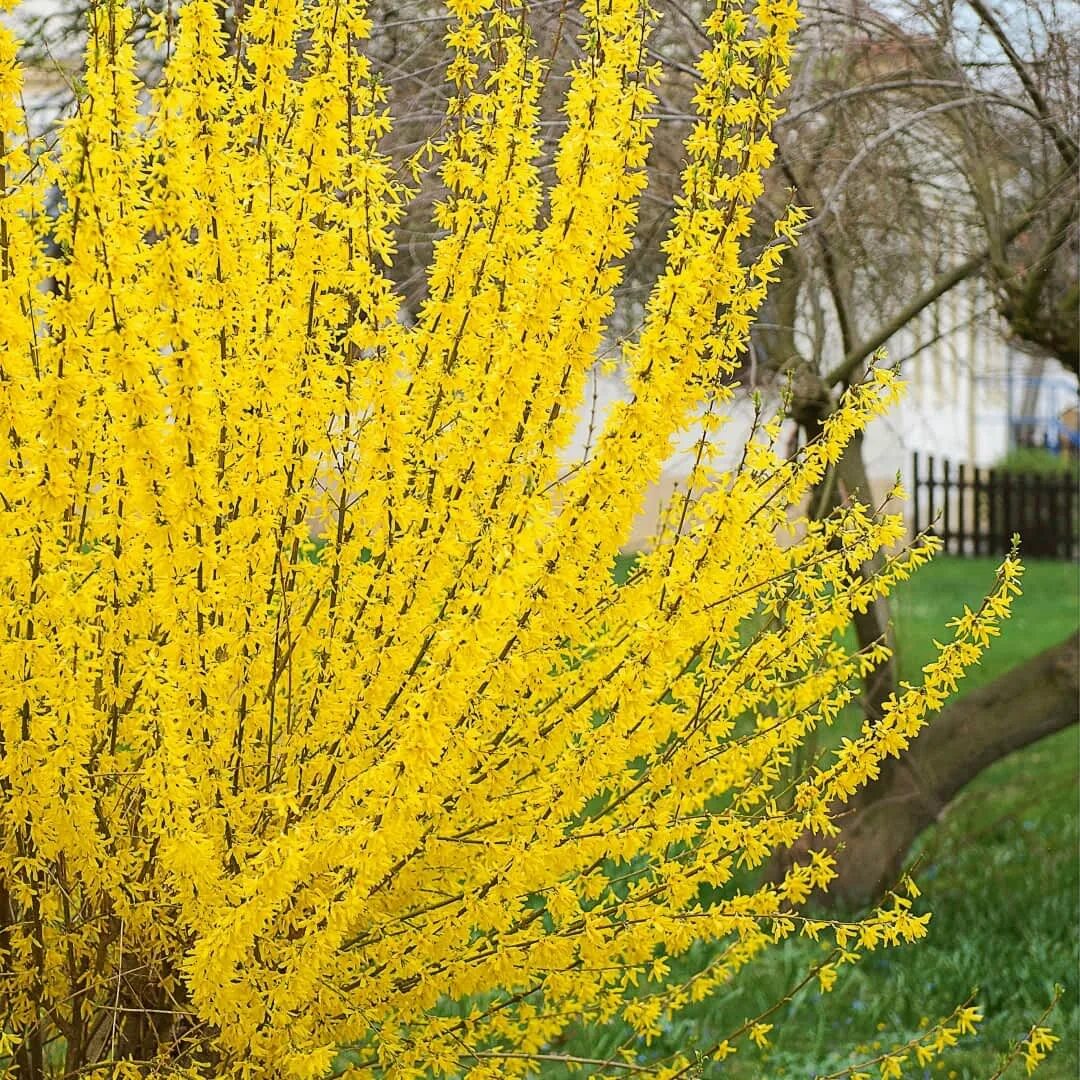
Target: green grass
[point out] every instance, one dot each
(1000, 873)
(1048, 611)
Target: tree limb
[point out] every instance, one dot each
(1066, 146)
(938, 288)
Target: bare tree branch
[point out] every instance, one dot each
(938, 288)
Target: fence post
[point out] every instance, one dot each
(994, 511)
(946, 531)
(961, 495)
(930, 491)
(915, 493)
(981, 512)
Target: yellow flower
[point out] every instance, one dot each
(319, 705)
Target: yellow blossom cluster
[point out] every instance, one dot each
(326, 738)
(1039, 1042)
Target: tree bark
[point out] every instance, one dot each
(1027, 703)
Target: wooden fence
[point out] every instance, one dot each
(977, 511)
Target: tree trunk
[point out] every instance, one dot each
(1027, 703)
(874, 624)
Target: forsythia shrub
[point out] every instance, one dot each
(415, 797)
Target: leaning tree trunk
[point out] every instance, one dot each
(882, 821)
(1027, 703)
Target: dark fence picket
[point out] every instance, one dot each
(947, 534)
(982, 495)
(931, 514)
(977, 511)
(961, 498)
(916, 491)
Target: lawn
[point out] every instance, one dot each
(1000, 873)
